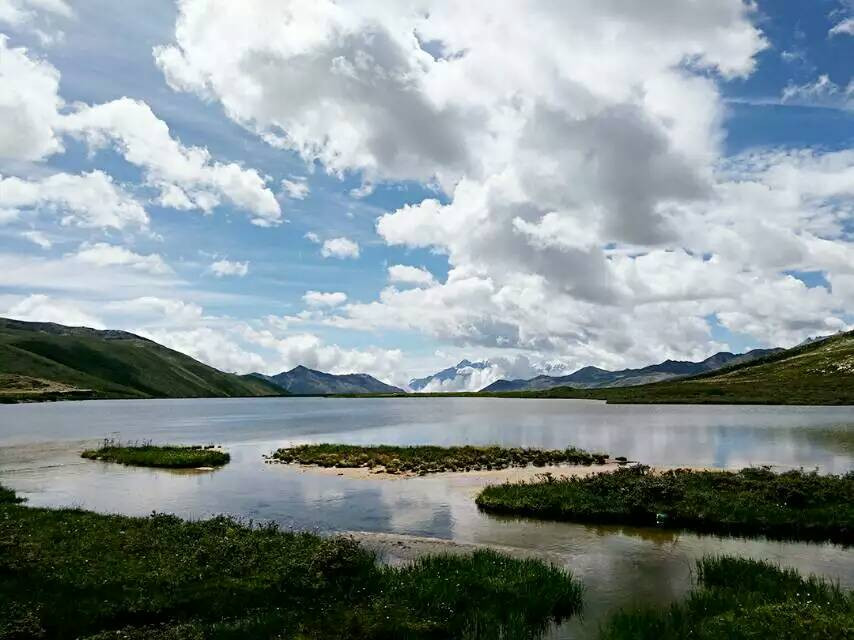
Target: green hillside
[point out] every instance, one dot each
(820, 372)
(44, 361)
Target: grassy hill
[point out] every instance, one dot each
(45, 361)
(820, 372)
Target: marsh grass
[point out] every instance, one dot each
(148, 455)
(77, 574)
(794, 504)
(431, 459)
(741, 599)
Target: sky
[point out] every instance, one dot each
(392, 186)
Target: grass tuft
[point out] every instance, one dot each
(431, 459)
(794, 504)
(148, 455)
(75, 574)
(741, 599)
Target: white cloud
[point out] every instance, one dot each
(38, 238)
(844, 27)
(352, 87)
(410, 275)
(153, 311)
(211, 346)
(821, 92)
(222, 268)
(41, 308)
(580, 196)
(311, 351)
(187, 176)
(69, 275)
(32, 124)
(296, 187)
(102, 254)
(19, 12)
(582, 200)
(340, 248)
(29, 103)
(324, 299)
(86, 200)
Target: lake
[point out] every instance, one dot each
(620, 566)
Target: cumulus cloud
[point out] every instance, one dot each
(581, 199)
(844, 27)
(310, 350)
(187, 177)
(102, 254)
(340, 248)
(296, 187)
(86, 200)
(222, 268)
(324, 299)
(567, 164)
(407, 274)
(29, 103)
(33, 122)
(42, 308)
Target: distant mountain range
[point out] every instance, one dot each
(818, 372)
(308, 382)
(451, 373)
(595, 378)
(45, 361)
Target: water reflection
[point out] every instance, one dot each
(40, 446)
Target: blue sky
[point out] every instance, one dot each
(736, 128)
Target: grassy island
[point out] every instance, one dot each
(744, 600)
(431, 459)
(168, 457)
(75, 574)
(794, 504)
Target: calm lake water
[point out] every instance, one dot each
(40, 446)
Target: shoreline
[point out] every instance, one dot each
(494, 476)
(508, 474)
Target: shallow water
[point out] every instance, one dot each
(40, 446)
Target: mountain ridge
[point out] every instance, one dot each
(820, 372)
(590, 377)
(309, 382)
(417, 384)
(45, 360)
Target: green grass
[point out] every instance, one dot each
(431, 459)
(168, 456)
(793, 504)
(74, 574)
(740, 599)
(106, 364)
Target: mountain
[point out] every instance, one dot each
(308, 382)
(41, 360)
(819, 372)
(418, 384)
(595, 378)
